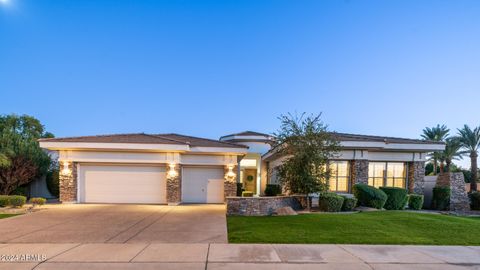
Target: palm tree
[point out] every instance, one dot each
(437, 134)
(451, 152)
(470, 141)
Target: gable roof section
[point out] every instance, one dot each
(370, 138)
(247, 133)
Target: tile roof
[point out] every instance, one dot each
(170, 138)
(247, 133)
(370, 138)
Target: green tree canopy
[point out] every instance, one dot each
(21, 158)
(469, 140)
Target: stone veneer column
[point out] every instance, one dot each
(68, 183)
(359, 171)
(174, 187)
(416, 177)
(459, 200)
(230, 185)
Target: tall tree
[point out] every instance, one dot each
(21, 158)
(451, 152)
(470, 141)
(307, 146)
(438, 133)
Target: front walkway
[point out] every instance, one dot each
(237, 256)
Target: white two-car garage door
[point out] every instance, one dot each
(122, 184)
(202, 185)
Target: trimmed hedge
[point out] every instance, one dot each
(52, 179)
(396, 198)
(247, 194)
(273, 190)
(415, 201)
(369, 196)
(349, 203)
(38, 201)
(474, 200)
(4, 200)
(441, 198)
(330, 202)
(17, 200)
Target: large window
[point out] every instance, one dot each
(389, 174)
(339, 176)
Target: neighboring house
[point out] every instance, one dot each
(173, 168)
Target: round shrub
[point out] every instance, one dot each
(247, 194)
(474, 200)
(369, 196)
(17, 200)
(4, 200)
(415, 201)
(396, 198)
(38, 201)
(349, 203)
(441, 198)
(330, 202)
(272, 190)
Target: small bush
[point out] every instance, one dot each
(474, 200)
(441, 198)
(239, 189)
(52, 179)
(330, 202)
(415, 201)
(247, 194)
(349, 203)
(396, 198)
(4, 200)
(17, 200)
(272, 190)
(21, 191)
(369, 196)
(38, 201)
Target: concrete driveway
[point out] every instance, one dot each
(88, 223)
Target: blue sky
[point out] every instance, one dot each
(209, 68)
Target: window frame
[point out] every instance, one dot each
(348, 176)
(385, 174)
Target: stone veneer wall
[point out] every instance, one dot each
(359, 171)
(68, 184)
(416, 177)
(230, 185)
(174, 187)
(459, 200)
(259, 206)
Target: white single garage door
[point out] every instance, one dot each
(122, 184)
(202, 185)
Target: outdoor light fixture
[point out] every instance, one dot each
(230, 175)
(66, 170)
(172, 173)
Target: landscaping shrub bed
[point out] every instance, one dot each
(349, 203)
(38, 201)
(330, 202)
(441, 198)
(272, 190)
(369, 196)
(474, 200)
(396, 198)
(415, 201)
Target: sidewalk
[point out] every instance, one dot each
(236, 256)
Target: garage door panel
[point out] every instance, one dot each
(123, 184)
(202, 184)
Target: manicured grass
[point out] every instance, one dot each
(7, 215)
(383, 227)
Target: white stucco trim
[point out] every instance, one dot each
(113, 146)
(393, 146)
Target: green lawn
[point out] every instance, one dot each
(7, 215)
(383, 227)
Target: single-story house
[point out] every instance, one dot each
(173, 168)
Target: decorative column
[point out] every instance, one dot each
(174, 184)
(68, 182)
(416, 177)
(230, 183)
(359, 171)
(459, 201)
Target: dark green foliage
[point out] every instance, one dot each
(396, 198)
(4, 200)
(330, 202)
(52, 179)
(247, 194)
(415, 201)
(239, 189)
(21, 190)
(474, 200)
(272, 190)
(369, 196)
(17, 200)
(349, 203)
(38, 201)
(441, 198)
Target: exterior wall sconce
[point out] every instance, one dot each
(230, 175)
(172, 173)
(66, 171)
